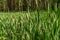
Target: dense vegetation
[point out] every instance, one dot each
(30, 20)
(24, 26)
(24, 5)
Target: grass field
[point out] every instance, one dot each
(24, 26)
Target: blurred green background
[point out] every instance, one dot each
(29, 19)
